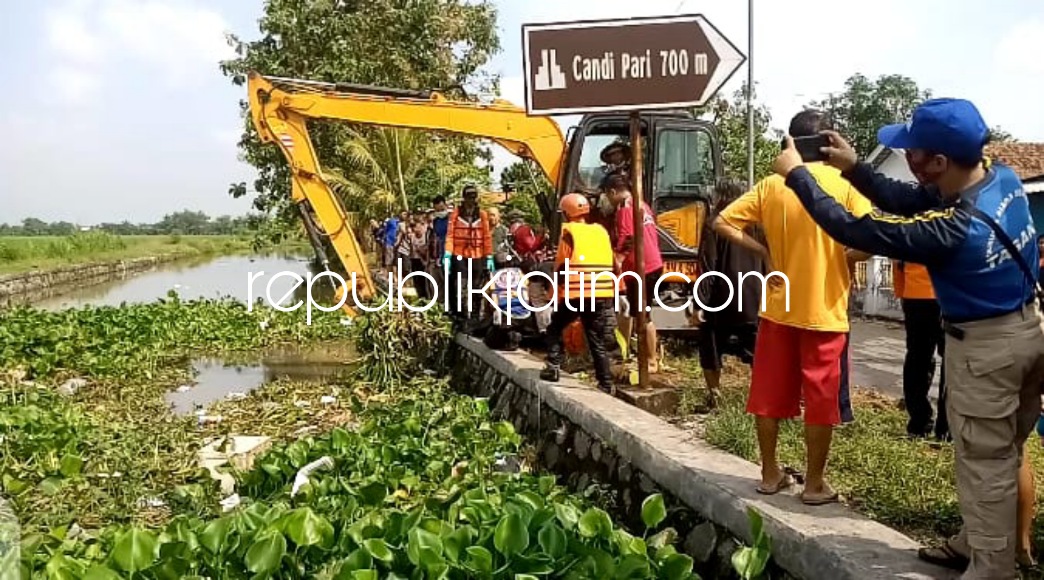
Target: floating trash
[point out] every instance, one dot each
(231, 502)
(184, 388)
(236, 396)
(70, 386)
(301, 479)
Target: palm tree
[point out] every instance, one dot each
(384, 166)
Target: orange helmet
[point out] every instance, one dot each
(574, 205)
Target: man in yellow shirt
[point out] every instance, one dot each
(802, 335)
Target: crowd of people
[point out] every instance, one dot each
(969, 293)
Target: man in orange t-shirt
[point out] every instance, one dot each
(803, 331)
(922, 320)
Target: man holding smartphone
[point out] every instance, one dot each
(803, 332)
(968, 222)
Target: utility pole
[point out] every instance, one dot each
(750, 93)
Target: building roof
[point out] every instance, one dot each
(1026, 159)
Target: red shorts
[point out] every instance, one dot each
(792, 365)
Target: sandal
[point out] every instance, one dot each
(831, 497)
(784, 482)
(944, 555)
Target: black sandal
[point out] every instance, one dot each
(944, 555)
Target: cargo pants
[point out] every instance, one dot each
(994, 371)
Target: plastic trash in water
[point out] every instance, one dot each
(236, 396)
(301, 479)
(184, 388)
(209, 419)
(231, 502)
(328, 400)
(69, 387)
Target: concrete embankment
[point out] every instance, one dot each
(589, 437)
(28, 286)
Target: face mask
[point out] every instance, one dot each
(920, 171)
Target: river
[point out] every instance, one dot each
(220, 277)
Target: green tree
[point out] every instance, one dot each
(529, 190)
(866, 105)
(422, 44)
(34, 227)
(730, 120)
(184, 222)
(999, 135)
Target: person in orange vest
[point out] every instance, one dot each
(469, 250)
(586, 289)
(924, 336)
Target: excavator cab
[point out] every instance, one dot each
(681, 163)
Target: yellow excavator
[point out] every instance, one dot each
(681, 157)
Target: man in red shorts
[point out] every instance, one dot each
(802, 336)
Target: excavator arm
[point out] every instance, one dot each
(281, 107)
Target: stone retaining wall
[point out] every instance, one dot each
(17, 288)
(589, 437)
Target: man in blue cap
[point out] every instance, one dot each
(968, 222)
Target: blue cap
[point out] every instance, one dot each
(950, 127)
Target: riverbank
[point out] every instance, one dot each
(23, 254)
(27, 283)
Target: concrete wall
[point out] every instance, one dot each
(589, 437)
(25, 286)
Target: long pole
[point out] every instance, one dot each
(750, 92)
(639, 245)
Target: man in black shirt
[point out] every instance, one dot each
(730, 330)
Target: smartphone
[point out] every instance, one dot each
(809, 147)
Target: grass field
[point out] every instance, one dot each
(905, 484)
(25, 253)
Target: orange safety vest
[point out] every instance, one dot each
(590, 262)
(469, 239)
(911, 281)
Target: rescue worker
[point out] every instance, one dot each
(468, 251)
(640, 287)
(968, 222)
(924, 336)
(586, 289)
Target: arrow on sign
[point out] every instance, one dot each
(729, 59)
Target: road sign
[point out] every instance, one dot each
(625, 64)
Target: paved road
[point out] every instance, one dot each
(878, 349)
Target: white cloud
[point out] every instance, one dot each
(226, 138)
(1020, 50)
(182, 39)
(68, 35)
(74, 85)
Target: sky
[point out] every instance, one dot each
(117, 110)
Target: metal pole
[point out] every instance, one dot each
(639, 245)
(750, 92)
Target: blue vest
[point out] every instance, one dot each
(983, 280)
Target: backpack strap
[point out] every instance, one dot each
(1008, 245)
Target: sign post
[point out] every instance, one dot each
(634, 64)
(639, 248)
